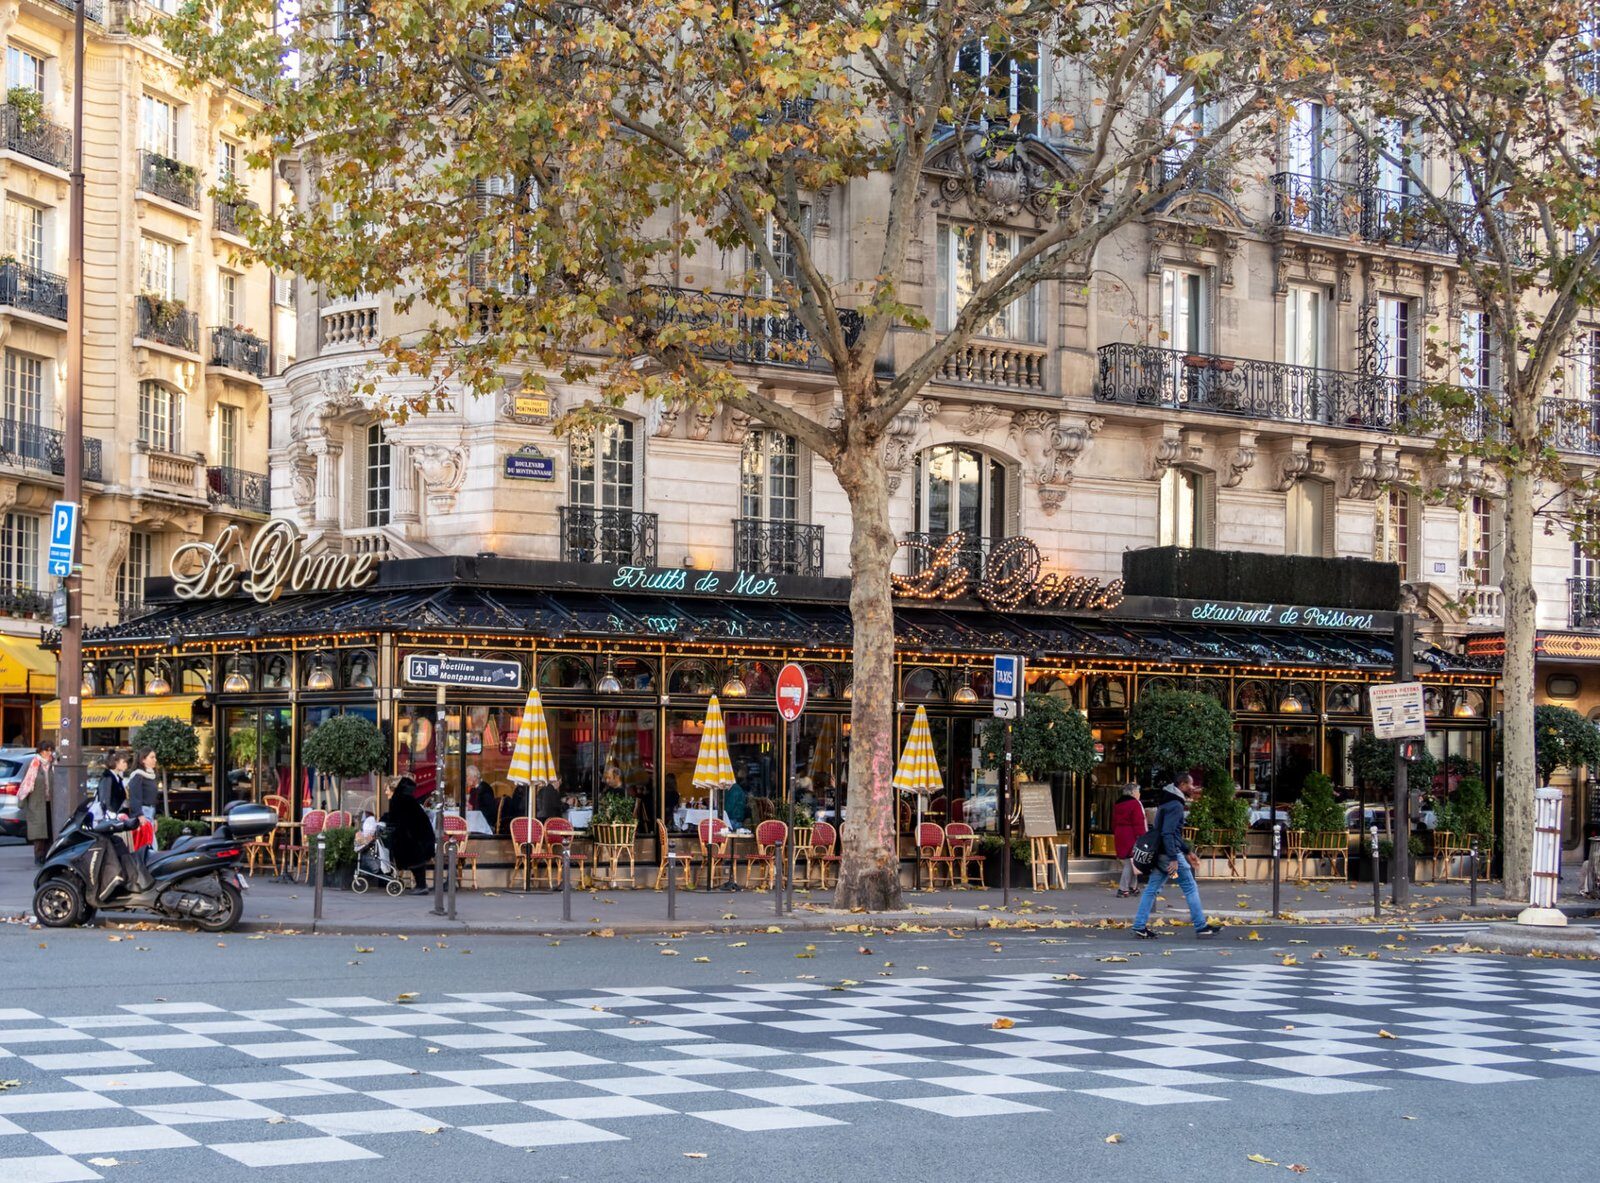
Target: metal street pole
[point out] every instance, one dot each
(1003, 795)
(69, 674)
(1400, 868)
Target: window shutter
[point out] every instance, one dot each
(1206, 520)
(1328, 544)
(1013, 501)
(945, 313)
(803, 462)
(478, 261)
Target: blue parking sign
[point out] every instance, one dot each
(1007, 676)
(63, 537)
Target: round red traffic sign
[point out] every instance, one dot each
(792, 691)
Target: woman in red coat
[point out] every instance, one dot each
(1127, 823)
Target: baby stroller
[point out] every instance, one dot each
(373, 865)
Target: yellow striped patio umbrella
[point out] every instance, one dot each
(918, 771)
(713, 768)
(532, 762)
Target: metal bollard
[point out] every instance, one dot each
(438, 862)
(1472, 873)
(1377, 902)
(777, 879)
(1277, 856)
(322, 853)
(450, 887)
(672, 885)
(566, 880)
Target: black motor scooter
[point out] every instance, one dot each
(88, 870)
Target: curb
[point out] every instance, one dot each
(1526, 939)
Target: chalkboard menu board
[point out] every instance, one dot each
(1038, 810)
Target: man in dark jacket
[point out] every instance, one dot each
(1171, 860)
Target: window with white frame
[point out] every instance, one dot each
(1391, 540)
(1310, 137)
(769, 477)
(1400, 157)
(1586, 547)
(1394, 342)
(19, 552)
(158, 130)
(160, 417)
(1008, 80)
(135, 568)
(1476, 533)
(961, 488)
(1308, 516)
(157, 267)
(1182, 518)
(24, 231)
(1184, 318)
(1476, 352)
(783, 253)
(968, 257)
(377, 476)
(227, 299)
(227, 161)
(1583, 365)
(24, 389)
(504, 202)
(228, 435)
(1304, 320)
(601, 475)
(1188, 117)
(24, 69)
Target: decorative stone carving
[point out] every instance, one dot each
(1366, 473)
(1050, 450)
(700, 425)
(1174, 445)
(737, 426)
(303, 480)
(998, 174)
(903, 431)
(442, 471)
(118, 535)
(1295, 463)
(1238, 458)
(666, 420)
(979, 419)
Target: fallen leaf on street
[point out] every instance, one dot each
(401, 938)
(1253, 935)
(1111, 959)
(9, 1084)
(104, 1162)
(669, 952)
(363, 949)
(277, 1120)
(1262, 1159)
(409, 996)
(703, 959)
(1003, 1024)
(1382, 1034)
(694, 1154)
(1289, 959)
(433, 1129)
(770, 927)
(433, 1051)
(1113, 1138)
(864, 951)
(1070, 978)
(1298, 1168)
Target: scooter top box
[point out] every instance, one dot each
(251, 821)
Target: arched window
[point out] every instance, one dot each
(691, 677)
(566, 673)
(961, 488)
(376, 474)
(922, 684)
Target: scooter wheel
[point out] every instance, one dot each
(58, 904)
(393, 887)
(358, 884)
(232, 909)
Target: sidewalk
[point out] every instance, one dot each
(288, 907)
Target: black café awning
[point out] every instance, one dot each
(526, 612)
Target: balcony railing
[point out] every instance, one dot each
(618, 536)
(240, 489)
(169, 322)
(922, 549)
(1008, 365)
(93, 10)
(170, 179)
(33, 290)
(27, 602)
(1149, 376)
(346, 328)
(1481, 603)
(777, 548)
(35, 136)
(1571, 424)
(1338, 209)
(235, 349)
(1583, 603)
(27, 445)
(225, 215)
(1585, 69)
(739, 333)
(1204, 176)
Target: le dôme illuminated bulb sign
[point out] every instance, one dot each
(274, 562)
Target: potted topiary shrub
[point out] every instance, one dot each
(1563, 738)
(1317, 820)
(339, 856)
(1174, 731)
(345, 745)
(176, 745)
(1220, 820)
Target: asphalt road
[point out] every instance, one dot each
(145, 1055)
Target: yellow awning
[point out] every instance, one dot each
(25, 668)
(125, 712)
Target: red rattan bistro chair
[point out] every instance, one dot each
(821, 852)
(558, 831)
(932, 855)
(337, 819)
(298, 851)
(527, 835)
(768, 835)
(456, 834)
(685, 859)
(964, 853)
(713, 843)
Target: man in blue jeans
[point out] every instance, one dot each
(1170, 860)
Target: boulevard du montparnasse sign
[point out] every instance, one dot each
(273, 563)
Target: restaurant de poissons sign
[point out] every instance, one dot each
(274, 562)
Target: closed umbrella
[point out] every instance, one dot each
(918, 771)
(713, 767)
(532, 762)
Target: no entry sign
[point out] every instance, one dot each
(792, 690)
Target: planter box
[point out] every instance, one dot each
(1021, 872)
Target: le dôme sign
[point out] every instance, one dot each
(273, 564)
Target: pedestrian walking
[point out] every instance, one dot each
(144, 790)
(1171, 860)
(33, 794)
(1127, 823)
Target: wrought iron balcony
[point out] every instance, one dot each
(1571, 424)
(35, 136)
(1204, 176)
(170, 179)
(236, 349)
(225, 215)
(130, 607)
(923, 549)
(1149, 376)
(33, 290)
(29, 603)
(1583, 603)
(617, 536)
(777, 548)
(1585, 69)
(240, 489)
(739, 332)
(27, 445)
(1338, 209)
(93, 10)
(169, 322)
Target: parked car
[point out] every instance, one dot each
(1379, 816)
(13, 765)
